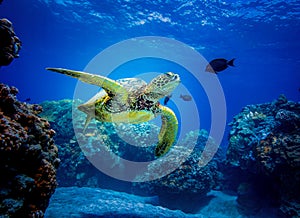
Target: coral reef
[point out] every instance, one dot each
(132, 142)
(74, 167)
(28, 157)
(127, 141)
(262, 162)
(10, 44)
(265, 142)
(190, 180)
(189, 177)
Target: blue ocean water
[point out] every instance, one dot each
(261, 35)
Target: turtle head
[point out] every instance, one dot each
(162, 85)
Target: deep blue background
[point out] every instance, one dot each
(262, 35)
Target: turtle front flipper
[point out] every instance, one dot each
(168, 131)
(109, 85)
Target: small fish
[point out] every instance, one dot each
(167, 98)
(218, 65)
(186, 97)
(27, 99)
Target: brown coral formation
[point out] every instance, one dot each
(28, 158)
(265, 142)
(278, 150)
(10, 44)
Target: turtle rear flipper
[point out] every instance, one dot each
(112, 87)
(168, 131)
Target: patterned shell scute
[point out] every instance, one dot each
(134, 86)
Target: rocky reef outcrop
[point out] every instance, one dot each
(75, 168)
(190, 176)
(95, 202)
(264, 147)
(262, 160)
(28, 157)
(190, 179)
(10, 44)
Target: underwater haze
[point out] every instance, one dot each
(262, 37)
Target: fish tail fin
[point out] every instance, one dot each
(230, 63)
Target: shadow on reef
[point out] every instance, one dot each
(188, 203)
(28, 157)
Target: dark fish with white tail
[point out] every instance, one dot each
(218, 65)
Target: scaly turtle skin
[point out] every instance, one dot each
(131, 100)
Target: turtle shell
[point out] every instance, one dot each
(134, 86)
(113, 103)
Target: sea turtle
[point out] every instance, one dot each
(131, 100)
